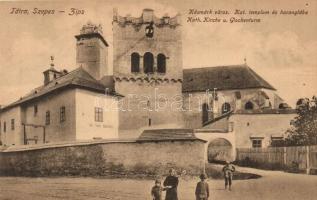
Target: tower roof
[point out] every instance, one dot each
(90, 31)
(223, 78)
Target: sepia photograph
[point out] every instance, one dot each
(158, 100)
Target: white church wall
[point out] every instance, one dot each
(86, 125)
(11, 135)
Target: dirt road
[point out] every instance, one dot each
(273, 185)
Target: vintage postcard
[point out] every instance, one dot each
(158, 99)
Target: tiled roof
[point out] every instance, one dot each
(222, 78)
(168, 135)
(76, 78)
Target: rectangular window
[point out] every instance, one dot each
(12, 124)
(256, 143)
(277, 141)
(4, 126)
(98, 114)
(62, 114)
(47, 118)
(35, 110)
(231, 126)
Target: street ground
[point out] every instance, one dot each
(273, 185)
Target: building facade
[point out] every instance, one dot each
(69, 106)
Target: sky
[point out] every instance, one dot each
(282, 48)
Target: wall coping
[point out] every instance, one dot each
(64, 144)
(211, 131)
(21, 148)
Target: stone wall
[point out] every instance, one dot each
(92, 55)
(194, 101)
(107, 158)
(144, 102)
(263, 126)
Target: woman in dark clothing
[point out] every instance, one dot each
(171, 183)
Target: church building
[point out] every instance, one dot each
(146, 88)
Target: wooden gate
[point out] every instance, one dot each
(313, 157)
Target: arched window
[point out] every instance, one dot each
(248, 105)
(205, 109)
(225, 108)
(161, 63)
(135, 62)
(282, 106)
(148, 62)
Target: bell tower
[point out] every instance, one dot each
(147, 63)
(147, 46)
(92, 51)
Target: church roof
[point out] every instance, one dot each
(223, 78)
(77, 78)
(168, 135)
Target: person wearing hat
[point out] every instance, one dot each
(170, 184)
(156, 191)
(228, 170)
(202, 188)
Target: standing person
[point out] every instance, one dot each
(156, 191)
(170, 184)
(202, 188)
(228, 170)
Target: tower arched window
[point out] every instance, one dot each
(248, 106)
(148, 62)
(225, 108)
(205, 111)
(135, 62)
(161, 63)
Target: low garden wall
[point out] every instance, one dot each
(104, 158)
